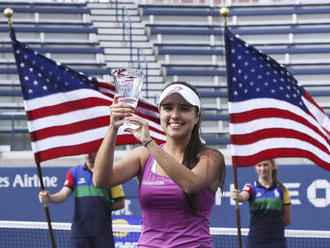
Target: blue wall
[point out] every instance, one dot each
(309, 187)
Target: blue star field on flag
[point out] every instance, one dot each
(43, 76)
(257, 76)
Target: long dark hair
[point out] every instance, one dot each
(194, 147)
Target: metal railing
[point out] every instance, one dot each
(141, 56)
(10, 133)
(116, 8)
(127, 36)
(127, 31)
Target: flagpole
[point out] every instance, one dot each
(8, 12)
(42, 187)
(225, 13)
(238, 216)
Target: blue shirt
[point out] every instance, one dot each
(266, 208)
(92, 208)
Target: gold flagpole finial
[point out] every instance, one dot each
(8, 12)
(225, 13)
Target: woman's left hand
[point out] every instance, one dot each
(141, 133)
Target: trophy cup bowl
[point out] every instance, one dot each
(128, 82)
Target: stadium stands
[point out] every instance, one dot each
(123, 36)
(89, 37)
(61, 31)
(183, 42)
(189, 41)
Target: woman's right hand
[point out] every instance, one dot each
(43, 196)
(119, 111)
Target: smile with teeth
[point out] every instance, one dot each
(175, 124)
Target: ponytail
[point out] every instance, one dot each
(275, 177)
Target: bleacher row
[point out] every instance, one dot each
(188, 42)
(62, 31)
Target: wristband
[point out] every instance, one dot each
(148, 142)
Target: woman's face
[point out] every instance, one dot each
(177, 116)
(264, 169)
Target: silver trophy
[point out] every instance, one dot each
(128, 82)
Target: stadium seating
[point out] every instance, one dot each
(189, 42)
(298, 31)
(61, 31)
(186, 40)
(243, 14)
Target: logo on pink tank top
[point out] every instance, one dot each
(153, 182)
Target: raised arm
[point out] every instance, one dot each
(206, 173)
(105, 173)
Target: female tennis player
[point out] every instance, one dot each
(270, 207)
(177, 181)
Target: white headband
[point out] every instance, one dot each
(188, 94)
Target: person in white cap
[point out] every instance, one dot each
(177, 180)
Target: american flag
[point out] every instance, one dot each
(270, 115)
(68, 112)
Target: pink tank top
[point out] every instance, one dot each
(167, 220)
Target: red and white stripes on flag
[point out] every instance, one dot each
(75, 122)
(68, 112)
(270, 115)
(266, 128)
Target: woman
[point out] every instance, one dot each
(270, 207)
(177, 181)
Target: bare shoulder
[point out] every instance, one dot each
(141, 150)
(213, 159)
(139, 153)
(213, 154)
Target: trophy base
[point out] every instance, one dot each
(128, 124)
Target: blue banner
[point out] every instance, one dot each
(309, 187)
